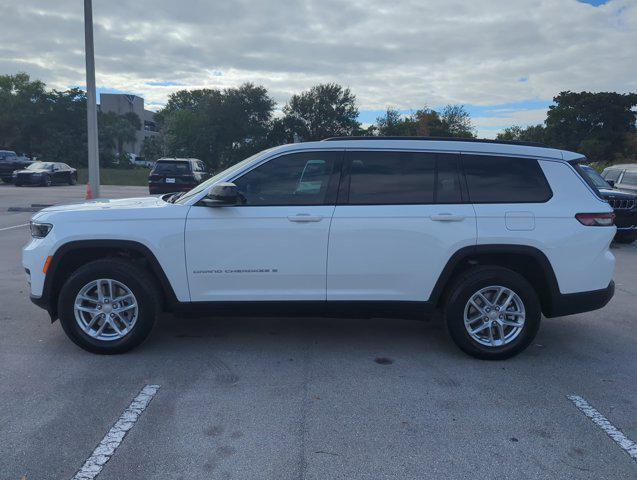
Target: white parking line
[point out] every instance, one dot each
(15, 226)
(622, 440)
(105, 450)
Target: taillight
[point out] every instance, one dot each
(596, 219)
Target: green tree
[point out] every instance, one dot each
(326, 110)
(596, 124)
(22, 105)
(217, 126)
(152, 148)
(532, 133)
(114, 132)
(456, 122)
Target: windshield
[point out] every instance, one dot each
(40, 166)
(173, 168)
(211, 181)
(595, 177)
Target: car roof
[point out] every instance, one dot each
(175, 159)
(434, 145)
(622, 166)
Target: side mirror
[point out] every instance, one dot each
(222, 194)
(611, 183)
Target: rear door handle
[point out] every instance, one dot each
(447, 217)
(305, 217)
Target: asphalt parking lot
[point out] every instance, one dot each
(311, 398)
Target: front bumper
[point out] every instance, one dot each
(572, 303)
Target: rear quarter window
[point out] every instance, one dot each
(495, 179)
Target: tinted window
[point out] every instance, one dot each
(448, 179)
(172, 168)
(504, 179)
(630, 178)
(594, 177)
(391, 178)
(294, 179)
(612, 175)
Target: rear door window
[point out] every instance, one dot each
(391, 178)
(495, 179)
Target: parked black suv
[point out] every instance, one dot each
(9, 162)
(624, 204)
(176, 175)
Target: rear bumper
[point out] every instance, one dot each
(572, 303)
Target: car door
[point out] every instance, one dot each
(59, 173)
(399, 218)
(274, 245)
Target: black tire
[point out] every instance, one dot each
(471, 282)
(140, 283)
(46, 181)
(625, 240)
(72, 179)
(17, 184)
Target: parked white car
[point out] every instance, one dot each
(622, 176)
(492, 234)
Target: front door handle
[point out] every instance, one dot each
(447, 217)
(305, 217)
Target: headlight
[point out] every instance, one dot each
(40, 230)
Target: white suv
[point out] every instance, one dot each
(493, 234)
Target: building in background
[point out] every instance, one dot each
(122, 104)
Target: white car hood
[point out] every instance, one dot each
(106, 204)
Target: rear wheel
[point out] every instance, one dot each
(492, 313)
(108, 306)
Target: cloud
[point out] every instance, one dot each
(406, 53)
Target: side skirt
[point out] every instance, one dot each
(344, 309)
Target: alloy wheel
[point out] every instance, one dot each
(106, 309)
(494, 316)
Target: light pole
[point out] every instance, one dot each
(91, 103)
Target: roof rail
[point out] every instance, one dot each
(442, 139)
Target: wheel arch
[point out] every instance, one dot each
(530, 262)
(72, 255)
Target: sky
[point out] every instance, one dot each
(503, 59)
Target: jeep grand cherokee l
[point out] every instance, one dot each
(492, 234)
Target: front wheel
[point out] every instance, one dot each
(108, 306)
(46, 181)
(492, 313)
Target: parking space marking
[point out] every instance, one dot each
(622, 440)
(106, 448)
(15, 226)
